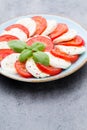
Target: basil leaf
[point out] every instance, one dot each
(41, 57)
(25, 54)
(37, 46)
(17, 46)
(28, 47)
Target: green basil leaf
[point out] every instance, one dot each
(37, 46)
(25, 54)
(41, 57)
(17, 46)
(28, 47)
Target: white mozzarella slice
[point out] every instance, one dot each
(7, 64)
(29, 24)
(4, 45)
(51, 25)
(66, 37)
(71, 50)
(58, 62)
(17, 32)
(33, 69)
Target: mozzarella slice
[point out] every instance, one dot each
(33, 69)
(58, 62)
(4, 45)
(71, 50)
(17, 32)
(51, 25)
(7, 64)
(66, 37)
(29, 23)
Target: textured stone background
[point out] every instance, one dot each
(57, 105)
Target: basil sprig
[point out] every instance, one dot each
(35, 51)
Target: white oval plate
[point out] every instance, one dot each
(74, 67)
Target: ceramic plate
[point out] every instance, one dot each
(74, 67)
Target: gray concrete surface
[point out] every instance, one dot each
(57, 105)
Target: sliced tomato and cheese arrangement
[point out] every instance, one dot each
(37, 47)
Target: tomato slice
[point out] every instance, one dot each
(21, 27)
(20, 68)
(60, 29)
(77, 41)
(41, 24)
(42, 39)
(49, 69)
(72, 58)
(7, 37)
(5, 52)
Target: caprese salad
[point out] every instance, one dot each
(38, 47)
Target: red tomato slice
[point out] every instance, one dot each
(5, 52)
(60, 29)
(21, 27)
(49, 69)
(77, 41)
(20, 68)
(7, 37)
(72, 58)
(41, 24)
(43, 39)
